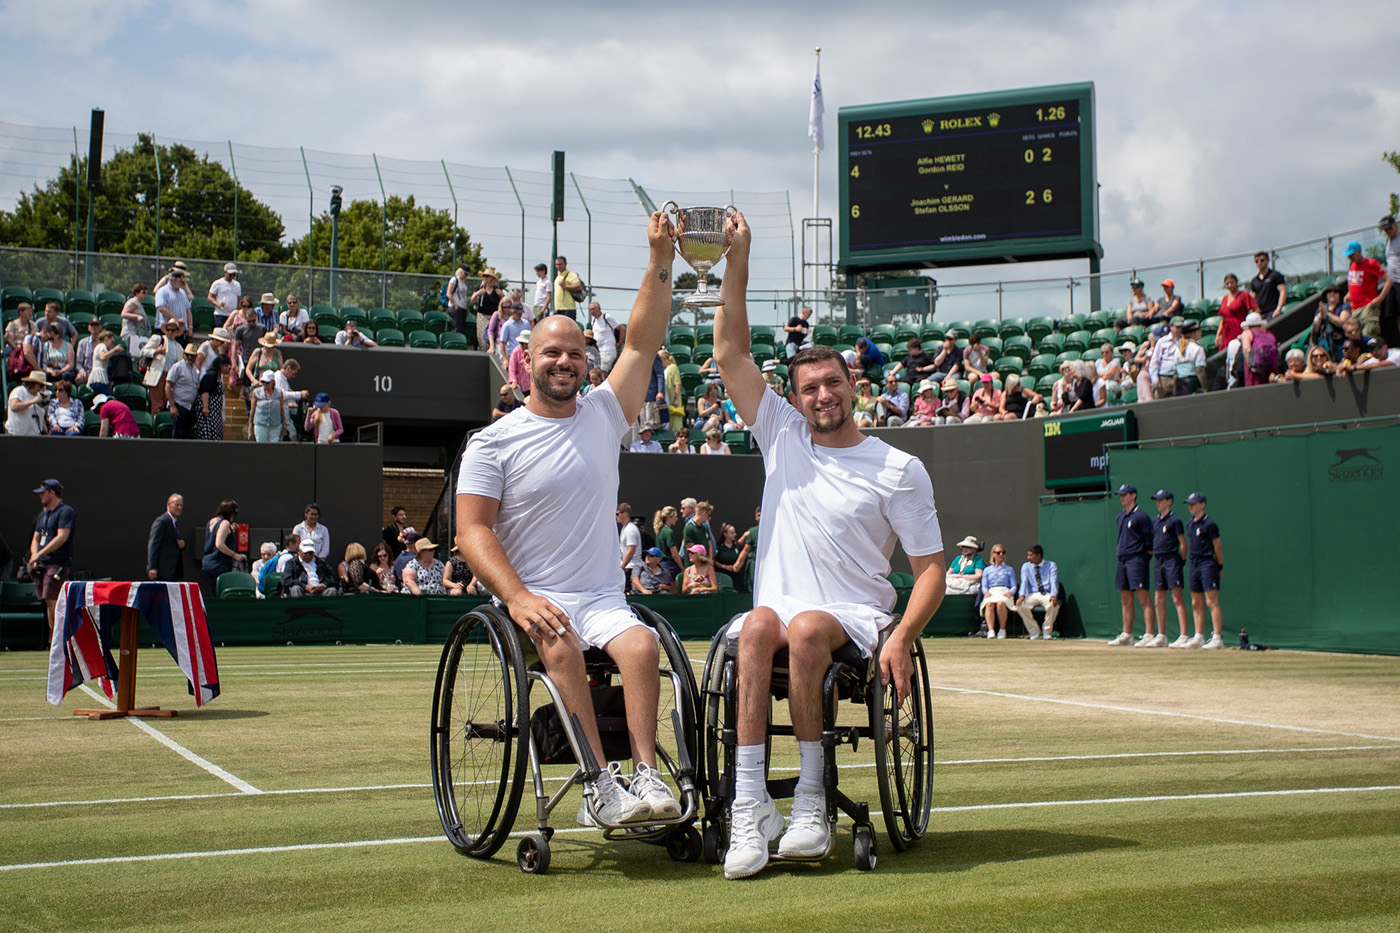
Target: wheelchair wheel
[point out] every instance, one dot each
(480, 732)
(674, 658)
(720, 698)
(903, 739)
(532, 855)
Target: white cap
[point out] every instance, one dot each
(230, 267)
(1252, 319)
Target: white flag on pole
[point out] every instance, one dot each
(814, 119)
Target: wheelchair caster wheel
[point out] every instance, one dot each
(683, 844)
(713, 845)
(865, 849)
(532, 855)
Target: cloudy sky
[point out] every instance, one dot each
(1223, 125)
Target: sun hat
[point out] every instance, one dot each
(1253, 319)
(770, 366)
(268, 376)
(308, 545)
(191, 349)
(36, 375)
(971, 542)
(221, 333)
(268, 339)
(925, 386)
(524, 338)
(489, 271)
(99, 400)
(267, 299)
(421, 544)
(1129, 346)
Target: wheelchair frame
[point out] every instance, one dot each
(902, 736)
(480, 741)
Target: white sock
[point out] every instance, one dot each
(750, 778)
(809, 775)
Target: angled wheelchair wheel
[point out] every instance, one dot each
(683, 701)
(480, 732)
(903, 740)
(718, 698)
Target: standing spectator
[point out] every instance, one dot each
(1332, 315)
(293, 321)
(311, 529)
(629, 543)
(486, 299)
(323, 423)
(209, 408)
(656, 393)
(396, 533)
(422, 576)
(1166, 352)
(730, 556)
(608, 334)
(798, 329)
(697, 528)
(1233, 308)
(653, 577)
(1390, 306)
(985, 402)
(1141, 366)
(568, 289)
(308, 574)
(135, 325)
(182, 391)
(1169, 305)
(1134, 544)
(269, 415)
(352, 336)
(998, 593)
(161, 352)
(51, 546)
(1140, 307)
(225, 293)
(1268, 287)
(173, 302)
(1169, 562)
(663, 526)
(1040, 586)
(1259, 350)
(114, 418)
(294, 399)
(1368, 288)
(518, 369)
(675, 400)
(544, 290)
(99, 379)
(165, 545)
(1191, 361)
(87, 347)
(219, 538)
(246, 330)
(892, 407)
(513, 327)
(1207, 561)
(459, 301)
(66, 415)
(25, 406)
(964, 574)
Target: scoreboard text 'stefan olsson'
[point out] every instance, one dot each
(1005, 176)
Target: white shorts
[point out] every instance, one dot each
(597, 619)
(862, 624)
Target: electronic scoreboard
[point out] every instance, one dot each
(1075, 456)
(980, 178)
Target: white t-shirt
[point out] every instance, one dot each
(629, 535)
(225, 294)
(23, 423)
(556, 481)
(831, 516)
(297, 323)
(320, 536)
(177, 301)
(312, 577)
(543, 289)
(603, 335)
(723, 448)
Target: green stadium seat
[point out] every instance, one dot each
(1009, 364)
(1018, 345)
(963, 386)
(1040, 365)
(664, 438)
(1071, 323)
(1047, 383)
(421, 339)
(849, 333)
(164, 425)
(931, 334)
(327, 322)
(409, 321)
(352, 313)
(12, 295)
(144, 423)
(149, 303)
(704, 333)
(905, 332)
(959, 329)
(43, 296)
(1038, 327)
(739, 443)
(437, 321)
(1095, 320)
(1077, 341)
(1134, 332)
(1211, 324)
(383, 317)
(986, 327)
(110, 302)
(79, 300)
(898, 352)
(390, 337)
(901, 581)
(762, 352)
(236, 585)
(1012, 327)
(1101, 336)
(842, 347)
(1129, 395)
(760, 333)
(690, 377)
(1069, 356)
(993, 345)
(92, 424)
(112, 322)
(884, 331)
(79, 319)
(824, 335)
(679, 352)
(451, 340)
(701, 353)
(271, 582)
(133, 395)
(84, 394)
(681, 334)
(1208, 344)
(1091, 354)
(1051, 343)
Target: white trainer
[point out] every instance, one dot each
(753, 825)
(1035, 637)
(607, 801)
(1145, 641)
(1123, 639)
(647, 786)
(1033, 630)
(1195, 641)
(1160, 641)
(1001, 634)
(1216, 642)
(1181, 642)
(808, 834)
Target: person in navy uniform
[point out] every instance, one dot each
(1168, 571)
(1134, 543)
(1203, 548)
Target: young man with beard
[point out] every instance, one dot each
(814, 592)
(533, 500)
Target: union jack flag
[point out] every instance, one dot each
(88, 615)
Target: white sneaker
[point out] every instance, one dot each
(1160, 641)
(1181, 642)
(1215, 642)
(808, 834)
(647, 785)
(753, 825)
(1033, 630)
(1123, 639)
(1001, 634)
(607, 801)
(1195, 641)
(1035, 637)
(1145, 641)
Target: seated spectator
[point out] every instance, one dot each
(863, 404)
(406, 555)
(507, 403)
(355, 575)
(977, 359)
(868, 354)
(730, 414)
(457, 577)
(323, 423)
(1296, 365)
(1169, 305)
(381, 566)
(681, 445)
(267, 555)
(422, 576)
(1352, 348)
(1328, 323)
(964, 574)
(595, 379)
(54, 317)
(709, 370)
(351, 336)
(892, 407)
(58, 360)
(307, 575)
(1040, 586)
(1378, 355)
(925, 407)
(290, 544)
(1017, 402)
(998, 593)
(709, 414)
(1140, 308)
(985, 403)
(919, 365)
(116, 420)
(517, 371)
(590, 349)
(651, 577)
(1062, 392)
(16, 333)
(772, 378)
(644, 444)
(292, 322)
(1081, 387)
(953, 407)
(1110, 372)
(699, 577)
(25, 411)
(66, 415)
(312, 332)
(714, 443)
(730, 556)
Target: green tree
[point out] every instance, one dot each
(197, 213)
(688, 280)
(1394, 159)
(405, 237)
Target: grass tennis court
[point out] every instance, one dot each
(1077, 788)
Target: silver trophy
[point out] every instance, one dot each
(700, 241)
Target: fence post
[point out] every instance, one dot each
(589, 214)
(77, 204)
(452, 191)
(383, 236)
(233, 168)
(518, 201)
(310, 232)
(160, 183)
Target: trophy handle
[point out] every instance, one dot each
(729, 211)
(671, 207)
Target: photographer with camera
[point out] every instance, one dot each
(26, 405)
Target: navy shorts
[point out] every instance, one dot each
(1205, 576)
(1167, 572)
(1132, 572)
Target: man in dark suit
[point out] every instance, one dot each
(165, 548)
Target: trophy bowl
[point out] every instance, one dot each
(700, 242)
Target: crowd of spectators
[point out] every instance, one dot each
(678, 551)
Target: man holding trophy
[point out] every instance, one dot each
(813, 593)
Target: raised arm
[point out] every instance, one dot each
(651, 313)
(741, 374)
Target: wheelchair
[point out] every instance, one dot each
(483, 734)
(902, 738)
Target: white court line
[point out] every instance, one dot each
(365, 843)
(1157, 712)
(32, 718)
(174, 746)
